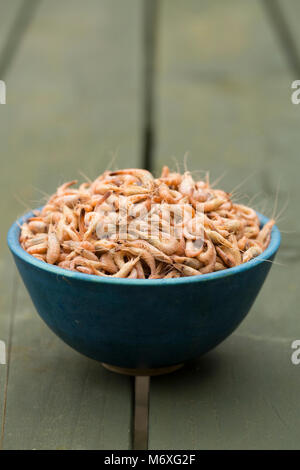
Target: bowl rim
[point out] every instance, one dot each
(17, 250)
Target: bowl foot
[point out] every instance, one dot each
(150, 372)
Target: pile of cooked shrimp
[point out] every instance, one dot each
(128, 224)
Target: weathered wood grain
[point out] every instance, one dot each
(224, 96)
(73, 99)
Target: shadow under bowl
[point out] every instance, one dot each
(141, 324)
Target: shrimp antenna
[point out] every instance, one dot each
(242, 182)
(288, 232)
(81, 173)
(39, 201)
(207, 175)
(22, 202)
(239, 197)
(252, 199)
(263, 206)
(185, 157)
(114, 157)
(40, 191)
(273, 262)
(217, 181)
(176, 164)
(282, 210)
(276, 199)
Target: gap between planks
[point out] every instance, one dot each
(141, 412)
(281, 27)
(150, 30)
(17, 31)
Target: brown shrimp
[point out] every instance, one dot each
(126, 223)
(53, 249)
(193, 248)
(265, 233)
(252, 252)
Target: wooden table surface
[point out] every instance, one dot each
(74, 73)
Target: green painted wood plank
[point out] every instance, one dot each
(73, 92)
(224, 96)
(243, 395)
(7, 309)
(291, 11)
(214, 75)
(8, 14)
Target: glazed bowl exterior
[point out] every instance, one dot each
(142, 323)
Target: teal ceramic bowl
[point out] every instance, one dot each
(142, 324)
